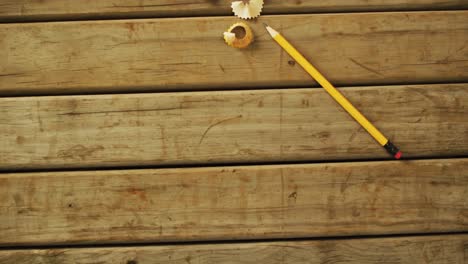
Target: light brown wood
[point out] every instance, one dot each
(444, 249)
(229, 127)
(189, 53)
(328, 199)
(25, 10)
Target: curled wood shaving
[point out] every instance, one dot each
(247, 9)
(239, 35)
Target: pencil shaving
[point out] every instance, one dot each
(247, 9)
(239, 36)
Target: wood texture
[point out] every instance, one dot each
(445, 249)
(327, 199)
(229, 127)
(14, 10)
(189, 53)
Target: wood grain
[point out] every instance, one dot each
(189, 53)
(27, 10)
(221, 203)
(229, 127)
(444, 249)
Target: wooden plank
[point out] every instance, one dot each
(27, 10)
(448, 249)
(252, 202)
(189, 53)
(229, 127)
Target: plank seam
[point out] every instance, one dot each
(220, 165)
(240, 241)
(62, 18)
(194, 89)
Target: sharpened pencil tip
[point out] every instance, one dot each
(272, 32)
(265, 24)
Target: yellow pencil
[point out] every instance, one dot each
(371, 129)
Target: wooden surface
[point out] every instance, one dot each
(185, 165)
(220, 203)
(445, 249)
(189, 53)
(25, 10)
(229, 127)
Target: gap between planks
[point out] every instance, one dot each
(52, 10)
(237, 241)
(221, 165)
(404, 250)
